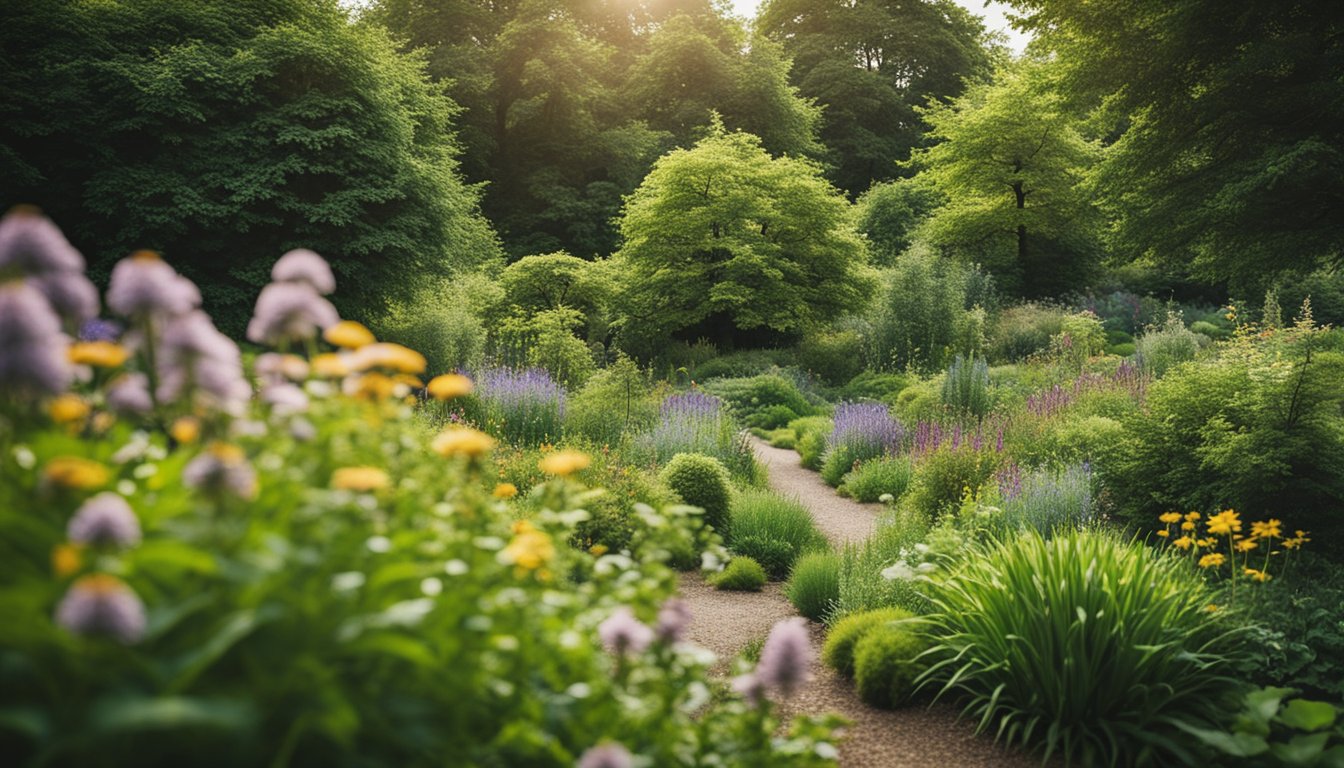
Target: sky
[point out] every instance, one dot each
(992, 12)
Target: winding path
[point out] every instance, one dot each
(725, 622)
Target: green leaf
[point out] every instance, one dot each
(1306, 715)
(236, 627)
(1302, 749)
(1234, 744)
(122, 714)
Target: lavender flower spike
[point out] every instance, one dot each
(289, 312)
(105, 519)
(33, 359)
(786, 657)
(303, 266)
(624, 633)
(673, 619)
(102, 604)
(608, 755)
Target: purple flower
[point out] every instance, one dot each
(691, 422)
(289, 312)
(673, 619)
(129, 394)
(529, 404)
(102, 604)
(273, 366)
(303, 266)
(608, 755)
(865, 430)
(750, 687)
(98, 329)
(786, 657)
(143, 284)
(285, 399)
(622, 633)
(33, 356)
(105, 519)
(194, 355)
(30, 244)
(220, 470)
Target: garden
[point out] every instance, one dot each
(415, 383)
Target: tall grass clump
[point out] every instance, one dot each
(814, 584)
(525, 407)
(862, 431)
(966, 387)
(1085, 645)
(772, 529)
(862, 587)
(1049, 501)
(873, 479)
(1162, 348)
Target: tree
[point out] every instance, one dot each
(724, 242)
(225, 134)
(889, 214)
(1010, 163)
(535, 284)
(870, 64)
(1231, 113)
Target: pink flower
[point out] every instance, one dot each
(786, 657)
(289, 312)
(143, 284)
(105, 519)
(673, 619)
(608, 755)
(33, 360)
(624, 633)
(102, 604)
(303, 266)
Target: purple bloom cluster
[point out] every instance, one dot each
(102, 604)
(221, 470)
(929, 436)
(290, 312)
(622, 633)
(105, 519)
(1049, 500)
(144, 286)
(673, 619)
(528, 404)
(33, 248)
(33, 360)
(785, 664)
(608, 755)
(1048, 402)
(690, 422)
(195, 356)
(865, 430)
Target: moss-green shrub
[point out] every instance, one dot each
(782, 438)
(839, 461)
(1163, 348)
(754, 400)
(872, 385)
(944, 475)
(1024, 330)
(1121, 350)
(771, 529)
(873, 478)
(838, 651)
(771, 417)
(742, 574)
(814, 584)
(812, 450)
(701, 481)
(887, 663)
(832, 356)
(1205, 328)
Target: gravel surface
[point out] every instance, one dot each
(724, 622)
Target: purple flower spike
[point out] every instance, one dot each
(609, 755)
(105, 519)
(624, 633)
(102, 604)
(673, 619)
(303, 266)
(750, 687)
(33, 248)
(866, 430)
(786, 657)
(289, 312)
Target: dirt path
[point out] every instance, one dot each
(725, 622)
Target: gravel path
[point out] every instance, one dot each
(724, 622)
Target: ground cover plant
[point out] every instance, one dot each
(773, 530)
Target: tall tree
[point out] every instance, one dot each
(1009, 163)
(1232, 151)
(225, 134)
(725, 242)
(870, 64)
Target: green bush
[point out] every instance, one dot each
(705, 363)
(767, 401)
(842, 639)
(1160, 349)
(615, 402)
(862, 587)
(887, 664)
(1122, 350)
(771, 417)
(918, 319)
(814, 584)
(966, 387)
(742, 574)
(873, 385)
(944, 475)
(812, 449)
(1024, 330)
(834, 356)
(1086, 645)
(771, 529)
(443, 321)
(700, 481)
(1205, 328)
(874, 478)
(782, 438)
(546, 340)
(839, 461)
(1081, 336)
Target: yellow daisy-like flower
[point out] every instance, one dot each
(330, 366)
(1246, 545)
(1187, 526)
(449, 386)
(463, 441)
(186, 430)
(77, 473)
(564, 463)
(100, 354)
(360, 479)
(68, 409)
(1164, 533)
(1185, 542)
(374, 386)
(349, 334)
(1256, 575)
(1225, 522)
(1212, 560)
(505, 491)
(1271, 529)
(1192, 516)
(66, 560)
(530, 549)
(1206, 542)
(390, 356)
(1170, 517)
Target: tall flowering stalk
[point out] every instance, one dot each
(525, 406)
(865, 430)
(1048, 402)
(929, 436)
(689, 423)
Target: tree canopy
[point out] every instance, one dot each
(724, 242)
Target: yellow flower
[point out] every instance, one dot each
(449, 386)
(1206, 542)
(522, 526)
(348, 334)
(1187, 526)
(101, 354)
(330, 366)
(68, 409)
(66, 560)
(1210, 608)
(564, 463)
(530, 549)
(598, 550)
(391, 356)
(1212, 560)
(1193, 516)
(1164, 533)
(1267, 530)
(1247, 545)
(463, 441)
(186, 430)
(1183, 543)
(505, 491)
(1170, 517)
(1224, 522)
(373, 386)
(77, 473)
(1257, 575)
(362, 479)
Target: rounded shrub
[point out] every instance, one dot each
(742, 574)
(814, 584)
(887, 664)
(1085, 645)
(771, 417)
(942, 477)
(772, 529)
(839, 461)
(838, 652)
(871, 479)
(811, 449)
(701, 481)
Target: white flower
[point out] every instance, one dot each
(900, 570)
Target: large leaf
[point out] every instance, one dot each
(1304, 715)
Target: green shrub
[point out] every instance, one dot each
(1024, 330)
(771, 417)
(944, 475)
(844, 636)
(873, 478)
(742, 574)
(839, 462)
(1277, 729)
(873, 385)
(1205, 328)
(919, 312)
(443, 321)
(706, 363)
(772, 529)
(811, 449)
(1086, 645)
(700, 481)
(546, 340)
(1081, 336)
(966, 387)
(862, 587)
(782, 438)
(1122, 350)
(769, 400)
(834, 356)
(1161, 349)
(814, 584)
(615, 402)
(887, 664)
